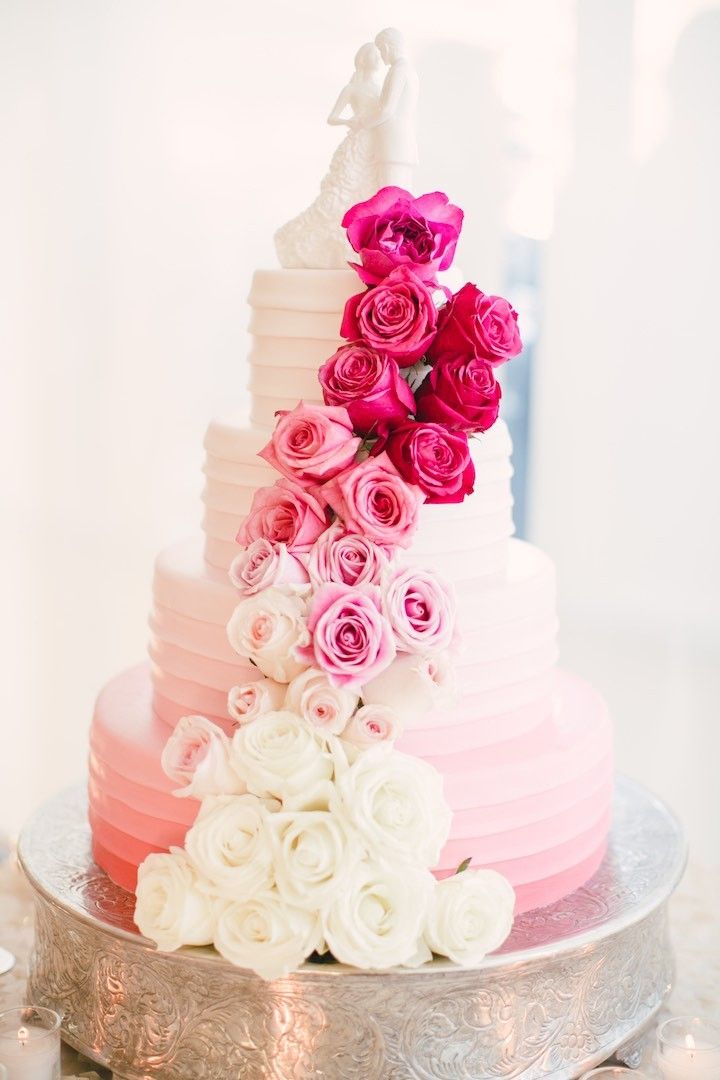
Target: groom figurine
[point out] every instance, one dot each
(394, 122)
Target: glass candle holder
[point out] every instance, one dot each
(30, 1043)
(614, 1072)
(688, 1048)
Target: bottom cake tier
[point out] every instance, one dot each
(536, 808)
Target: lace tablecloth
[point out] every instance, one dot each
(694, 919)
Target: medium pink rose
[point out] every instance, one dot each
(421, 610)
(368, 384)
(475, 324)
(372, 499)
(347, 558)
(397, 317)
(284, 514)
(264, 564)
(395, 229)
(312, 443)
(350, 638)
(372, 725)
(431, 456)
(462, 393)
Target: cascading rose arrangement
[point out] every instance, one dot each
(314, 834)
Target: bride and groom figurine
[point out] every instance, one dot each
(379, 149)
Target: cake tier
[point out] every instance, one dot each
(535, 806)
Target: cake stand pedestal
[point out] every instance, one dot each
(574, 984)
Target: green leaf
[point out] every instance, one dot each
(464, 865)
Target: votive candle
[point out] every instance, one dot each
(30, 1043)
(688, 1048)
(613, 1072)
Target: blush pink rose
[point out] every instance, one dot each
(395, 229)
(347, 558)
(420, 607)
(462, 393)
(312, 443)
(350, 638)
(432, 457)
(372, 499)
(264, 564)
(368, 384)
(372, 725)
(397, 317)
(284, 514)
(475, 324)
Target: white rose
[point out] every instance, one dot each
(413, 684)
(281, 755)
(312, 696)
(267, 628)
(377, 920)
(312, 856)
(372, 725)
(170, 909)
(197, 755)
(263, 564)
(229, 846)
(395, 803)
(249, 700)
(470, 916)
(267, 935)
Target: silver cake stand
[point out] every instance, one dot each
(575, 983)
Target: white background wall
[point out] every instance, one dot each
(149, 149)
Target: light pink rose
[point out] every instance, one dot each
(312, 696)
(350, 639)
(413, 685)
(264, 564)
(249, 700)
(421, 610)
(348, 558)
(372, 725)
(373, 500)
(284, 514)
(312, 443)
(197, 756)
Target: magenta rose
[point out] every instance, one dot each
(350, 638)
(395, 229)
(433, 457)
(475, 324)
(372, 499)
(347, 558)
(284, 514)
(397, 317)
(311, 443)
(264, 564)
(368, 384)
(421, 610)
(462, 393)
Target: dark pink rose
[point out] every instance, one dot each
(397, 317)
(348, 558)
(475, 324)
(311, 443)
(350, 638)
(372, 499)
(368, 384)
(433, 457)
(421, 610)
(284, 514)
(462, 393)
(395, 229)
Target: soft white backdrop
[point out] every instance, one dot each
(149, 149)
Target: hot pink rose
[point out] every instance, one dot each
(372, 499)
(347, 558)
(395, 229)
(397, 317)
(312, 443)
(284, 514)
(431, 456)
(462, 393)
(350, 638)
(368, 384)
(263, 564)
(475, 324)
(421, 610)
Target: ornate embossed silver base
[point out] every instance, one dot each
(575, 983)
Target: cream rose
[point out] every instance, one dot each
(312, 856)
(372, 725)
(281, 755)
(413, 685)
(249, 700)
(312, 696)
(267, 935)
(229, 845)
(470, 915)
(267, 628)
(197, 755)
(170, 909)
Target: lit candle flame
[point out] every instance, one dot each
(23, 1034)
(690, 1044)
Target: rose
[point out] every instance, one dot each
(350, 639)
(311, 443)
(372, 725)
(461, 392)
(430, 456)
(312, 696)
(249, 700)
(268, 628)
(265, 934)
(312, 855)
(230, 847)
(280, 755)
(368, 384)
(397, 317)
(284, 514)
(396, 805)
(263, 564)
(376, 920)
(470, 915)
(347, 558)
(421, 610)
(395, 229)
(197, 755)
(473, 323)
(373, 500)
(170, 909)
(413, 685)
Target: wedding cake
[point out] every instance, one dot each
(352, 676)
